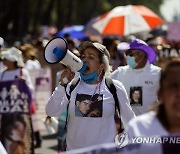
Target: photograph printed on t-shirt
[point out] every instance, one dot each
(85, 106)
(136, 96)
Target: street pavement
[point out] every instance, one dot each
(49, 144)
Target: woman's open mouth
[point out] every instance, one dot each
(86, 71)
(87, 68)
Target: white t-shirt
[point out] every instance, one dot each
(2, 149)
(32, 64)
(146, 125)
(145, 80)
(84, 131)
(110, 148)
(2, 66)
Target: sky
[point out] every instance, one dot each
(168, 9)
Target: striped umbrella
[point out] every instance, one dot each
(126, 20)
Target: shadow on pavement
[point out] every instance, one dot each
(53, 136)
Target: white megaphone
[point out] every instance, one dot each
(56, 51)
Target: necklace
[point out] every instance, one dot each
(94, 94)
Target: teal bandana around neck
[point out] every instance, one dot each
(89, 78)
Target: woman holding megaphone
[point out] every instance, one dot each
(91, 106)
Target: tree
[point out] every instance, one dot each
(18, 18)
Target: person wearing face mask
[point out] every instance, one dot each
(89, 130)
(139, 73)
(164, 120)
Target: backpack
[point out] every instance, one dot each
(112, 89)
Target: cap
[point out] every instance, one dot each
(98, 46)
(138, 44)
(13, 54)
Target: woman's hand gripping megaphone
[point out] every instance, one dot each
(66, 76)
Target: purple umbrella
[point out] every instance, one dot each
(75, 31)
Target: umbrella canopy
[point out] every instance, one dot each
(126, 20)
(88, 29)
(75, 31)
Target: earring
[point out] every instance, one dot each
(102, 66)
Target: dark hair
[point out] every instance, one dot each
(96, 106)
(8, 122)
(107, 41)
(16, 64)
(161, 112)
(82, 97)
(165, 71)
(66, 35)
(162, 116)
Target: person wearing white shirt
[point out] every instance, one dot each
(165, 120)
(12, 58)
(139, 74)
(2, 67)
(160, 128)
(31, 63)
(2, 149)
(30, 56)
(86, 130)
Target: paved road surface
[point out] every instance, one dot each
(49, 144)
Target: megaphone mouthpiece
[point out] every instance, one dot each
(59, 53)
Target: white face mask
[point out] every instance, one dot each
(131, 62)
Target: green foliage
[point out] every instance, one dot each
(18, 18)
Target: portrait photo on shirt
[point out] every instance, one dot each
(136, 96)
(88, 105)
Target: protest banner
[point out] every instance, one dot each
(16, 130)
